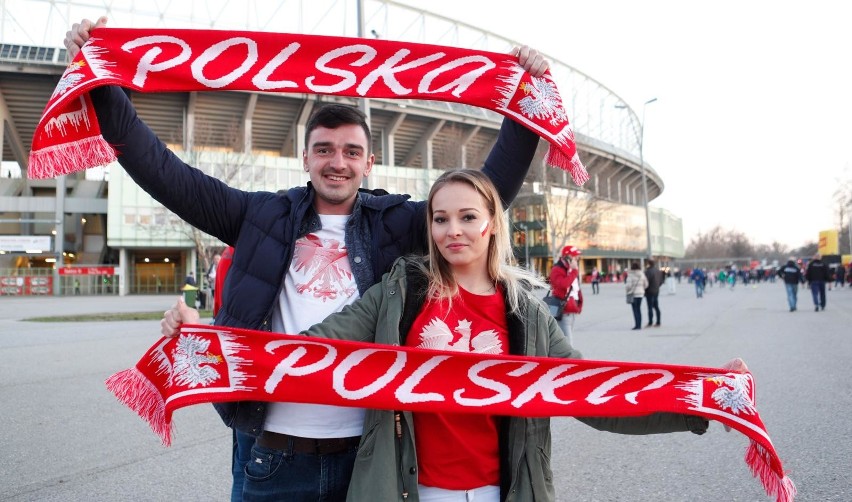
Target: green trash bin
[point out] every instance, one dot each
(190, 293)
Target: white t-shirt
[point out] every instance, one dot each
(318, 283)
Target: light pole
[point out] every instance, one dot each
(644, 177)
(641, 136)
(364, 103)
(849, 226)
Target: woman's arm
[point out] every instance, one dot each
(656, 423)
(356, 322)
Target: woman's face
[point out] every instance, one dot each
(461, 227)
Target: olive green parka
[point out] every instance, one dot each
(386, 463)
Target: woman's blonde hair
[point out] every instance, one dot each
(500, 259)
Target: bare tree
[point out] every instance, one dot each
(230, 168)
(773, 252)
(572, 215)
(719, 243)
(219, 153)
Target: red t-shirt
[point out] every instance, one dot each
(459, 451)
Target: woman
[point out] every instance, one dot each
(596, 281)
(458, 299)
(464, 296)
(635, 286)
(565, 285)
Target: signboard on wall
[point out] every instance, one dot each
(25, 243)
(828, 242)
(88, 271)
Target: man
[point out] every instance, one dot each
(211, 274)
(300, 255)
(840, 276)
(792, 275)
(698, 277)
(652, 292)
(817, 275)
(565, 285)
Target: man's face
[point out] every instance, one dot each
(337, 161)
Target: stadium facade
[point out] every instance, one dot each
(96, 232)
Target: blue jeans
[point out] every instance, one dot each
(818, 293)
(792, 290)
(637, 312)
(567, 326)
(699, 289)
(242, 444)
(653, 302)
(275, 475)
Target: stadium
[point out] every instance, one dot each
(96, 232)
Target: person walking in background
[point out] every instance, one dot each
(596, 281)
(634, 285)
(211, 274)
(840, 276)
(792, 276)
(652, 292)
(222, 266)
(189, 280)
(817, 275)
(732, 277)
(669, 280)
(698, 277)
(565, 285)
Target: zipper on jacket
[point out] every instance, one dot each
(398, 426)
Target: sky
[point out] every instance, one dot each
(752, 127)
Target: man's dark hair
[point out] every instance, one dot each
(333, 115)
(635, 266)
(650, 263)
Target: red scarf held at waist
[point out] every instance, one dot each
(207, 364)
(68, 138)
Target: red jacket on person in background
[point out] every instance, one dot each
(565, 282)
(221, 270)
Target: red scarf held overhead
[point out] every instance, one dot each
(68, 138)
(216, 364)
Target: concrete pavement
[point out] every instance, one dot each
(66, 438)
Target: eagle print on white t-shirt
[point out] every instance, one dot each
(437, 336)
(325, 266)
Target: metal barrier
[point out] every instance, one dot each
(39, 281)
(26, 282)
